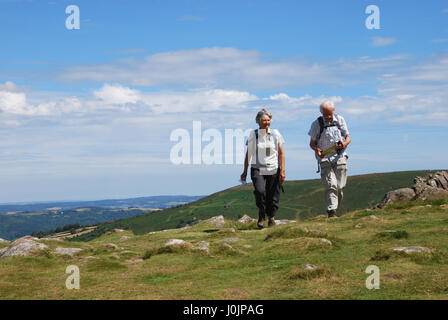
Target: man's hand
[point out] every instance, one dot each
(243, 176)
(319, 153)
(282, 176)
(342, 145)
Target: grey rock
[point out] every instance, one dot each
(410, 250)
(432, 193)
(68, 251)
(435, 186)
(403, 194)
(22, 247)
(225, 245)
(246, 219)
(326, 241)
(308, 267)
(217, 221)
(173, 242)
(230, 239)
(284, 221)
(118, 230)
(3, 241)
(203, 246)
(125, 238)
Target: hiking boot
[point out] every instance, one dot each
(331, 213)
(260, 223)
(271, 222)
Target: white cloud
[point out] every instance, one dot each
(117, 94)
(12, 101)
(230, 68)
(381, 42)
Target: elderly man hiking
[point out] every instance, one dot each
(329, 139)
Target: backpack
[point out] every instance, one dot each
(323, 126)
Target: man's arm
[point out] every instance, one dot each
(315, 148)
(345, 143)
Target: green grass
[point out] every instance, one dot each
(264, 264)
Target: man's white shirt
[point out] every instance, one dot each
(329, 137)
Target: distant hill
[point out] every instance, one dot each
(23, 219)
(301, 200)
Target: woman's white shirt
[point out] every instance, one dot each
(268, 144)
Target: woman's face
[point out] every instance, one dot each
(265, 122)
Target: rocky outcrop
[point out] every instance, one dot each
(435, 186)
(22, 247)
(3, 241)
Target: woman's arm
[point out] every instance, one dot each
(246, 165)
(281, 155)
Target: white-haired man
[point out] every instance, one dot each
(329, 140)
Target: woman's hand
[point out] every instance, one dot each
(282, 176)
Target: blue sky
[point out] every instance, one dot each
(88, 113)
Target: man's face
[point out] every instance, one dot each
(327, 113)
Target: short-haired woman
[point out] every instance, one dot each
(265, 148)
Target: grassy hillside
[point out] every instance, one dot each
(261, 264)
(302, 199)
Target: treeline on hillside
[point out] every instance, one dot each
(69, 227)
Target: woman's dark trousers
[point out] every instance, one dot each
(267, 192)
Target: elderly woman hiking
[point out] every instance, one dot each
(265, 149)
